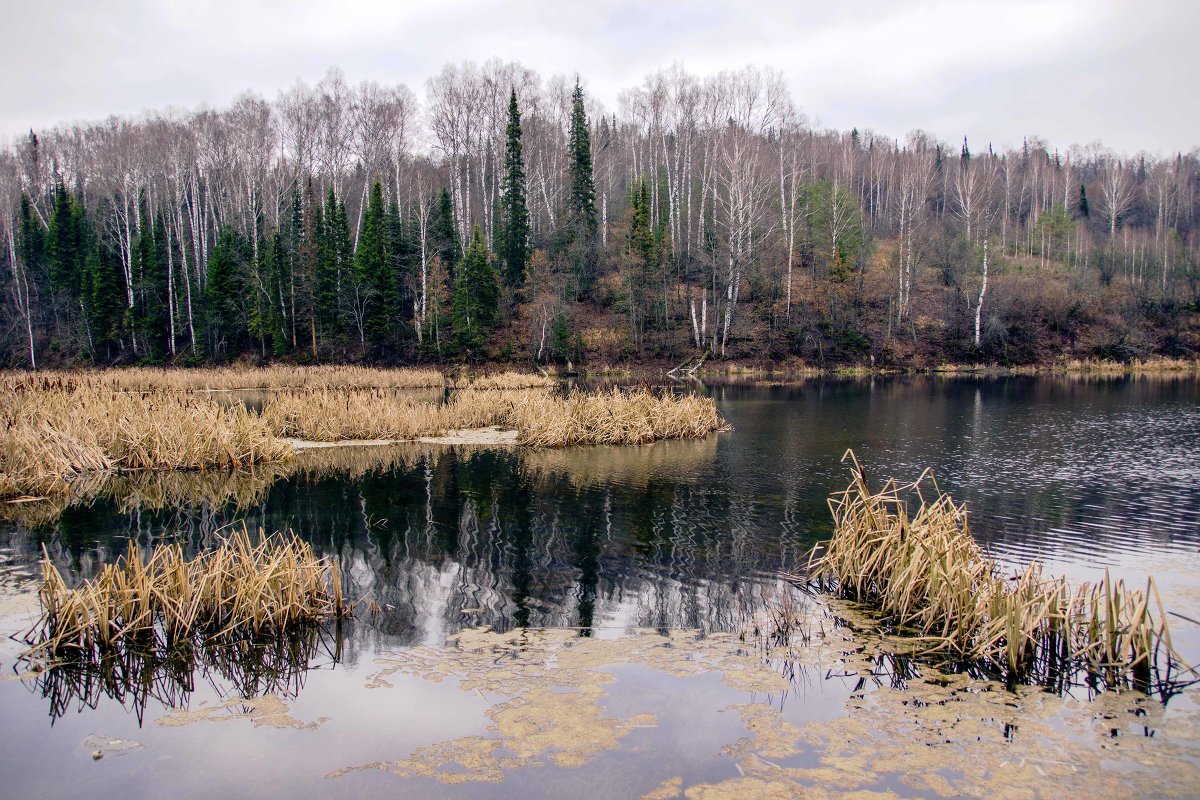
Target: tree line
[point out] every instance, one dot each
(509, 217)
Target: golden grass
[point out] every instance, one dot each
(54, 434)
(141, 379)
(242, 587)
(925, 574)
(616, 417)
(541, 418)
(506, 380)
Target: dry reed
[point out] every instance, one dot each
(926, 575)
(506, 380)
(52, 435)
(152, 605)
(541, 418)
(143, 379)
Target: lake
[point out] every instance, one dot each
(548, 622)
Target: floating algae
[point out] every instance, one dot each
(268, 711)
(901, 733)
(551, 682)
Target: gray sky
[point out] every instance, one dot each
(1070, 71)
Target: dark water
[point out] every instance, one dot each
(1085, 475)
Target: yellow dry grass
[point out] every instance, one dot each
(925, 574)
(506, 380)
(540, 417)
(54, 434)
(141, 379)
(242, 587)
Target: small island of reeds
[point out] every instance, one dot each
(923, 575)
(57, 428)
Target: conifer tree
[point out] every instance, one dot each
(476, 298)
(66, 244)
(328, 278)
(513, 242)
(226, 293)
(583, 190)
(371, 271)
(104, 298)
(310, 254)
(443, 235)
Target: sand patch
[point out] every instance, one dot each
(480, 436)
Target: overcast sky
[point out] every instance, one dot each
(1070, 71)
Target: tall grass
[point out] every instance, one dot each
(505, 380)
(54, 434)
(158, 603)
(924, 573)
(540, 417)
(141, 379)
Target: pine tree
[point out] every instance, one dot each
(443, 235)
(310, 254)
(476, 298)
(514, 235)
(66, 244)
(228, 293)
(583, 190)
(371, 271)
(401, 253)
(104, 299)
(1084, 211)
(328, 278)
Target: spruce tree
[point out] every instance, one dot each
(66, 244)
(443, 235)
(371, 270)
(476, 300)
(104, 298)
(327, 280)
(583, 190)
(514, 234)
(226, 293)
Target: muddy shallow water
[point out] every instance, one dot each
(583, 621)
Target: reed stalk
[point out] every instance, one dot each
(923, 573)
(244, 587)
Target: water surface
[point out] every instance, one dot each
(676, 538)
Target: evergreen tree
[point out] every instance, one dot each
(476, 298)
(401, 253)
(329, 268)
(583, 190)
(67, 244)
(443, 235)
(514, 234)
(372, 273)
(148, 317)
(226, 293)
(104, 298)
(1084, 211)
(310, 254)
(31, 239)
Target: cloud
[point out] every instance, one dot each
(1073, 71)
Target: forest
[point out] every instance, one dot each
(506, 217)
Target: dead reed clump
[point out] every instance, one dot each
(151, 379)
(615, 417)
(54, 434)
(506, 380)
(926, 576)
(154, 604)
(324, 415)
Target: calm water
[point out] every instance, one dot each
(1085, 475)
